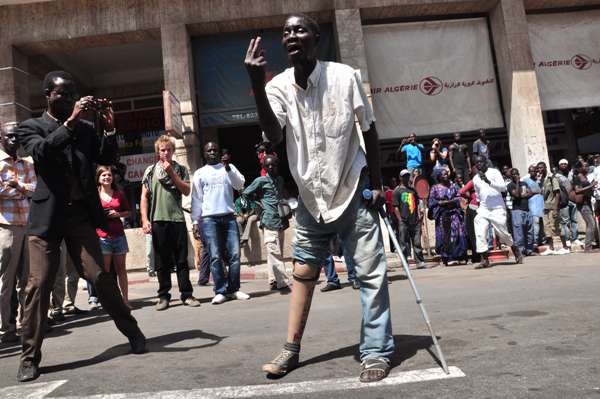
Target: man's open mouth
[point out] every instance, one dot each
(294, 48)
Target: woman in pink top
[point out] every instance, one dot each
(113, 241)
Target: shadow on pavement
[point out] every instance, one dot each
(154, 344)
(407, 346)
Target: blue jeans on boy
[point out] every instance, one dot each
(522, 224)
(221, 236)
(358, 229)
(331, 274)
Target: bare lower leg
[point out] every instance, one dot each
(119, 262)
(301, 299)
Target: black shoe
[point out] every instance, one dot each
(138, 344)
(27, 372)
(331, 287)
(273, 286)
(355, 284)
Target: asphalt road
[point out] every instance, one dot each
(527, 331)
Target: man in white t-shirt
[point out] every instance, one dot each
(318, 103)
(213, 218)
(489, 186)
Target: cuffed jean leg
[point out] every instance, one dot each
(330, 273)
(232, 243)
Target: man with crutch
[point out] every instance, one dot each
(328, 165)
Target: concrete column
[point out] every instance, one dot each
(520, 95)
(14, 85)
(349, 36)
(179, 79)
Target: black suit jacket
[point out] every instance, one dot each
(56, 152)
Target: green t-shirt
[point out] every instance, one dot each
(549, 188)
(165, 202)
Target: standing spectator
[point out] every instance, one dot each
(17, 183)
(536, 205)
(409, 216)
(439, 156)
(489, 185)
(458, 155)
(163, 185)
(481, 146)
(326, 160)
(508, 201)
(246, 211)
(468, 192)
(584, 190)
(112, 240)
(65, 205)
(413, 152)
(269, 190)
(522, 221)
(450, 235)
(213, 219)
(565, 175)
(555, 211)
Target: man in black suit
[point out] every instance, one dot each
(66, 205)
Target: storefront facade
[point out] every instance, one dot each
(513, 67)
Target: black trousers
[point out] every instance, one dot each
(410, 235)
(83, 246)
(170, 243)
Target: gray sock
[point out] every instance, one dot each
(292, 347)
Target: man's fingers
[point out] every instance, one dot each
(250, 49)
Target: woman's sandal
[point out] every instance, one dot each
(374, 369)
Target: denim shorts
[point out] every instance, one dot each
(357, 227)
(114, 246)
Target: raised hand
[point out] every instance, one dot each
(255, 62)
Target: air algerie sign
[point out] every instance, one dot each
(432, 86)
(580, 62)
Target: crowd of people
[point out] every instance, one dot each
(64, 196)
(478, 207)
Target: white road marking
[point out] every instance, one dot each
(30, 391)
(304, 387)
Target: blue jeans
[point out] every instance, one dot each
(522, 224)
(331, 274)
(222, 238)
(572, 225)
(538, 232)
(358, 229)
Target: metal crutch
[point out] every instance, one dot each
(412, 284)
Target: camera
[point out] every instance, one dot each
(98, 104)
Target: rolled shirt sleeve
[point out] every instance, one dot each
(361, 105)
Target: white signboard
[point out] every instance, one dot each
(566, 55)
(137, 164)
(432, 77)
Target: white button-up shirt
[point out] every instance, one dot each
(323, 142)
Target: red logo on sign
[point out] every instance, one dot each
(581, 61)
(431, 86)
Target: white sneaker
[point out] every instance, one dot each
(568, 243)
(578, 243)
(547, 252)
(562, 251)
(218, 299)
(242, 296)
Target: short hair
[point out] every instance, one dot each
(50, 77)
(164, 139)
(105, 168)
(311, 22)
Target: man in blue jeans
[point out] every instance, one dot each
(522, 222)
(318, 103)
(213, 218)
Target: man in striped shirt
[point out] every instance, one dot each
(17, 182)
